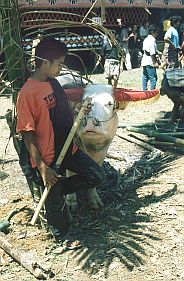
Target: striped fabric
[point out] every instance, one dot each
(175, 77)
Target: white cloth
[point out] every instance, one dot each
(128, 61)
(150, 46)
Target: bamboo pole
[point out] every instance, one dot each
(162, 143)
(61, 157)
(88, 12)
(150, 133)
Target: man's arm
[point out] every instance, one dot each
(153, 53)
(168, 40)
(125, 37)
(49, 176)
(154, 59)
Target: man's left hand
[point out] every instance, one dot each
(87, 108)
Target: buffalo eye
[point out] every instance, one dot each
(110, 103)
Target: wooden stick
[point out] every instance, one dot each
(153, 133)
(25, 258)
(140, 143)
(89, 11)
(151, 124)
(61, 156)
(115, 156)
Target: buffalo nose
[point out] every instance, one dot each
(96, 122)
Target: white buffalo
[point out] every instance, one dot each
(96, 131)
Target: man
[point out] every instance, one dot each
(149, 60)
(112, 56)
(173, 85)
(143, 31)
(172, 45)
(124, 38)
(44, 120)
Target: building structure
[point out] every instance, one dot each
(45, 14)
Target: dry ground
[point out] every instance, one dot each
(138, 236)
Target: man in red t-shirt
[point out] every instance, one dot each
(36, 105)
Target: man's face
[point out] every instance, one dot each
(177, 24)
(155, 34)
(147, 24)
(54, 67)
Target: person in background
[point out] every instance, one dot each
(143, 30)
(36, 40)
(173, 86)
(166, 25)
(112, 56)
(181, 33)
(164, 22)
(123, 41)
(172, 44)
(134, 45)
(149, 60)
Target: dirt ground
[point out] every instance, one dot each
(138, 236)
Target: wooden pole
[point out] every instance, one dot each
(26, 259)
(88, 12)
(140, 143)
(156, 134)
(61, 157)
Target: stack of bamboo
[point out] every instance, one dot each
(159, 133)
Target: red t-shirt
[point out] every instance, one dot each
(33, 103)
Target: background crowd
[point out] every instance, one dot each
(137, 46)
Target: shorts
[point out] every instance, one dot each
(111, 67)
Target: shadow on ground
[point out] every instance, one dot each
(122, 229)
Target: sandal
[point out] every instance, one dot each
(72, 245)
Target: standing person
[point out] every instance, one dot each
(134, 45)
(172, 84)
(149, 60)
(172, 44)
(123, 40)
(111, 54)
(181, 57)
(143, 31)
(35, 42)
(44, 120)
(166, 24)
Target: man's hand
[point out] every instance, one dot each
(172, 46)
(156, 65)
(49, 176)
(87, 109)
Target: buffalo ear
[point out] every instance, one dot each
(116, 105)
